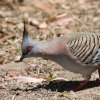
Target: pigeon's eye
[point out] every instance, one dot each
(29, 48)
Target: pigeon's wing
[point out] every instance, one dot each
(84, 48)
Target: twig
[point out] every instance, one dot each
(14, 96)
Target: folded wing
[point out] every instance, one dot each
(85, 48)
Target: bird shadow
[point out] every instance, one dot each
(61, 85)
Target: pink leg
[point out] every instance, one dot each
(82, 84)
(99, 73)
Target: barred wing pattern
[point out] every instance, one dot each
(86, 48)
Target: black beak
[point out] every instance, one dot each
(21, 58)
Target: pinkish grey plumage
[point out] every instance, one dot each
(76, 52)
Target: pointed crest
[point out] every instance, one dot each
(25, 31)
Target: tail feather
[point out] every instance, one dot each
(97, 56)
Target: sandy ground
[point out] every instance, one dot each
(45, 22)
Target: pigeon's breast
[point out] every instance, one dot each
(71, 65)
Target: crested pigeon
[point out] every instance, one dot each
(77, 52)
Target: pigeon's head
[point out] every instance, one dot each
(28, 45)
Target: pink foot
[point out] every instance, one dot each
(99, 73)
(82, 84)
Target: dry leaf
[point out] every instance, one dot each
(83, 1)
(43, 25)
(2, 59)
(14, 72)
(5, 38)
(65, 94)
(83, 4)
(38, 24)
(57, 1)
(43, 6)
(27, 79)
(63, 21)
(10, 49)
(25, 8)
(34, 22)
(51, 19)
(5, 14)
